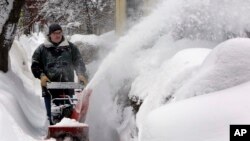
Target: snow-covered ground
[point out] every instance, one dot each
(192, 82)
(205, 118)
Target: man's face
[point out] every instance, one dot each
(56, 36)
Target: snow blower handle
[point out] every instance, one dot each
(64, 85)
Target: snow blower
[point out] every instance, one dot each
(75, 109)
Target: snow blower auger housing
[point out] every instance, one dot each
(73, 108)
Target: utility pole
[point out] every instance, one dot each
(120, 16)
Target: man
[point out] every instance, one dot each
(56, 60)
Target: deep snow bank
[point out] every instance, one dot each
(163, 82)
(206, 117)
(228, 65)
(22, 113)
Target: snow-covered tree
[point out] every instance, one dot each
(81, 16)
(9, 16)
(29, 15)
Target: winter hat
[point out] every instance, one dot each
(54, 27)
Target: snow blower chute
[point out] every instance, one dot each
(69, 117)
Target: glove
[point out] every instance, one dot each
(82, 79)
(44, 79)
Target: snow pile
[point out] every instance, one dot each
(228, 65)
(166, 80)
(23, 116)
(206, 117)
(30, 43)
(20, 57)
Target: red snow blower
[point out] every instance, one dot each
(74, 108)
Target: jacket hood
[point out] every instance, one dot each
(48, 44)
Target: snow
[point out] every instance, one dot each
(22, 112)
(205, 117)
(227, 63)
(69, 122)
(170, 77)
(178, 61)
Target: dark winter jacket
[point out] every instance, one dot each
(57, 62)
